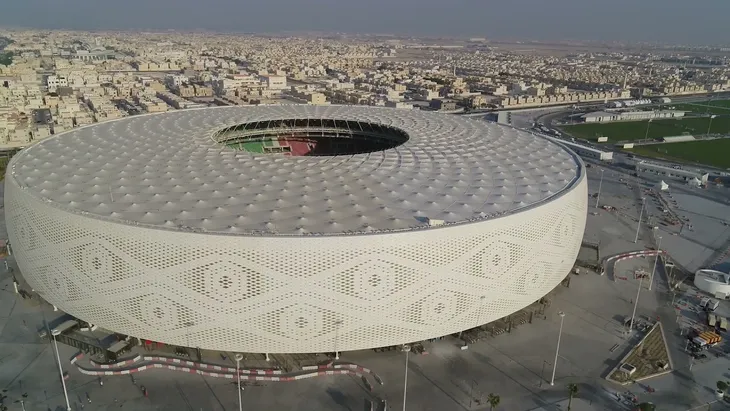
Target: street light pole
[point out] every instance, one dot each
(54, 333)
(656, 260)
(636, 303)
(641, 214)
(407, 349)
(646, 135)
(239, 357)
(600, 183)
(337, 335)
(710, 125)
(557, 349)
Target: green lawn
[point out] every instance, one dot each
(709, 152)
(700, 108)
(718, 103)
(636, 130)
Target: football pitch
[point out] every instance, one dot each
(637, 130)
(710, 152)
(718, 107)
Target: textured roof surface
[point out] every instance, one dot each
(165, 170)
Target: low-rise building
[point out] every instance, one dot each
(609, 116)
(442, 105)
(274, 82)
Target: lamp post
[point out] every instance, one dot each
(238, 358)
(641, 214)
(337, 335)
(407, 349)
(710, 125)
(656, 260)
(557, 349)
(600, 183)
(636, 303)
(54, 333)
(646, 135)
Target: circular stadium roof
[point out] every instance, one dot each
(167, 171)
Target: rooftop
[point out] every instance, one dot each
(168, 171)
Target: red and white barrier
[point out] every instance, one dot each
(627, 256)
(174, 364)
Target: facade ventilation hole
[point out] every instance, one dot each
(158, 312)
(226, 281)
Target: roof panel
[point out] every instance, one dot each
(166, 171)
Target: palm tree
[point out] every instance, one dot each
(572, 391)
(493, 401)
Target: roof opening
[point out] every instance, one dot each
(311, 137)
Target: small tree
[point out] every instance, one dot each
(493, 401)
(646, 406)
(572, 391)
(722, 386)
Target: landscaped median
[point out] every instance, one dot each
(649, 358)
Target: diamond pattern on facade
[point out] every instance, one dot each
(289, 294)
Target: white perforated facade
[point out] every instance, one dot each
(142, 226)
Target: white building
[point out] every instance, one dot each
(275, 82)
(715, 283)
(176, 80)
(609, 116)
(645, 166)
(585, 151)
(53, 82)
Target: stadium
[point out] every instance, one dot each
(294, 229)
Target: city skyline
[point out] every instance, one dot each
(699, 22)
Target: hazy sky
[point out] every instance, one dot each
(675, 21)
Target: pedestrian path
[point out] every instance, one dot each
(141, 363)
